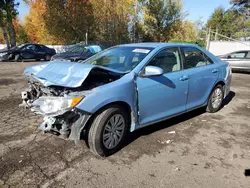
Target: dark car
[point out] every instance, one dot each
(27, 51)
(78, 52)
(238, 61)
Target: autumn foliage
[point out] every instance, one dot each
(35, 26)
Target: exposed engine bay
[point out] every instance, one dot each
(36, 89)
(57, 103)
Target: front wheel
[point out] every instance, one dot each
(17, 58)
(108, 131)
(215, 99)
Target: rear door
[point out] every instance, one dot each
(202, 74)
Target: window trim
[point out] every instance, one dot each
(140, 74)
(184, 59)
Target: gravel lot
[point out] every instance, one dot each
(206, 150)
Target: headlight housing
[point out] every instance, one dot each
(55, 105)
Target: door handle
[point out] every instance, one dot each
(215, 71)
(183, 78)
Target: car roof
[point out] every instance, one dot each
(33, 44)
(157, 44)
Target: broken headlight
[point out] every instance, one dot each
(55, 105)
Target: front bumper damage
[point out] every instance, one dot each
(68, 125)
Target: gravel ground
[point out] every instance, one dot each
(206, 150)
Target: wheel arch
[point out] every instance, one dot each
(220, 82)
(123, 104)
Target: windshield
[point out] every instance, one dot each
(78, 49)
(122, 59)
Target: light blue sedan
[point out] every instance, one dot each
(124, 88)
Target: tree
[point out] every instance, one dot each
(69, 20)
(186, 32)
(243, 6)
(35, 26)
(10, 9)
(112, 19)
(8, 12)
(21, 35)
(161, 17)
(3, 24)
(226, 22)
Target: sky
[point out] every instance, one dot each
(196, 9)
(202, 9)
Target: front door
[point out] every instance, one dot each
(28, 51)
(162, 96)
(39, 52)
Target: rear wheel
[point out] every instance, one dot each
(215, 99)
(47, 57)
(108, 131)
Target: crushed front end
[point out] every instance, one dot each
(57, 105)
(56, 88)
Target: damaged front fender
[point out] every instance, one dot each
(68, 125)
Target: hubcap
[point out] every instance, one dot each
(113, 131)
(217, 98)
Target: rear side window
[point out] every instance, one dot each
(238, 55)
(195, 58)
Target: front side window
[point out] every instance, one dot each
(167, 59)
(238, 55)
(195, 58)
(123, 58)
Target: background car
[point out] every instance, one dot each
(78, 52)
(239, 60)
(27, 51)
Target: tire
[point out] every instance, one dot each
(216, 95)
(102, 125)
(47, 57)
(17, 58)
(37, 59)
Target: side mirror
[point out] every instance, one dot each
(152, 71)
(229, 57)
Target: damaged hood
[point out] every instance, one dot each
(62, 73)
